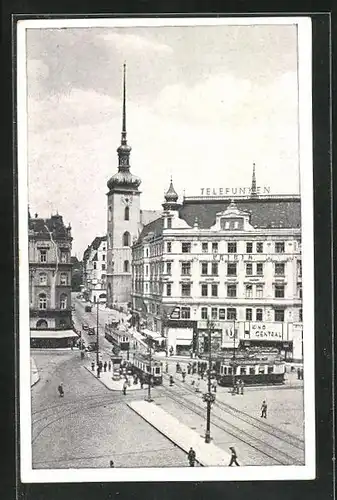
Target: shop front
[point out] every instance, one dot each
(52, 338)
(268, 336)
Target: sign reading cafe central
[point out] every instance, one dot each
(234, 191)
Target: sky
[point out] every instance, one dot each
(203, 104)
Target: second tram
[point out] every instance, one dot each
(143, 367)
(252, 371)
(120, 338)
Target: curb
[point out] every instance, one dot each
(109, 388)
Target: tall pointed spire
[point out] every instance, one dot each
(124, 149)
(253, 189)
(124, 106)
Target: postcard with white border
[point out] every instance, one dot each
(166, 275)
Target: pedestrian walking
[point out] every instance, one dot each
(191, 457)
(264, 409)
(214, 385)
(242, 386)
(93, 366)
(109, 366)
(166, 367)
(178, 369)
(112, 465)
(141, 382)
(197, 385)
(100, 364)
(60, 389)
(183, 375)
(171, 380)
(301, 373)
(233, 457)
(98, 371)
(189, 368)
(105, 365)
(298, 373)
(237, 386)
(125, 385)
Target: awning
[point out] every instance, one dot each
(52, 334)
(153, 335)
(183, 341)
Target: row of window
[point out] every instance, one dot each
(64, 256)
(126, 213)
(43, 279)
(43, 301)
(211, 290)
(229, 314)
(232, 247)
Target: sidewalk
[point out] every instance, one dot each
(114, 385)
(34, 374)
(180, 434)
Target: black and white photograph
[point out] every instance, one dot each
(166, 279)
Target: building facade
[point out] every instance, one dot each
(50, 271)
(95, 269)
(236, 263)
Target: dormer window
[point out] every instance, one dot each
(169, 222)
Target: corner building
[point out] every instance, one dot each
(237, 263)
(50, 271)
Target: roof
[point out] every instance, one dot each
(265, 213)
(53, 226)
(97, 241)
(155, 227)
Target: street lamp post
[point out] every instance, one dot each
(149, 398)
(97, 336)
(234, 357)
(209, 398)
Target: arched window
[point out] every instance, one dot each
(43, 278)
(42, 301)
(109, 214)
(127, 213)
(126, 239)
(63, 301)
(42, 324)
(126, 266)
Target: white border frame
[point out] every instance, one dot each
(307, 471)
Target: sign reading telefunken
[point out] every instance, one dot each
(234, 191)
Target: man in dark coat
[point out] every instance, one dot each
(233, 457)
(191, 457)
(264, 409)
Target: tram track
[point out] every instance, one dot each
(282, 451)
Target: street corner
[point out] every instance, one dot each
(114, 384)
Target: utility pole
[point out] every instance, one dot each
(149, 399)
(234, 367)
(97, 336)
(209, 398)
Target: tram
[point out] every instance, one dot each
(120, 338)
(257, 370)
(141, 366)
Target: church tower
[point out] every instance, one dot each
(123, 220)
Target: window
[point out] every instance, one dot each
(299, 291)
(249, 314)
(259, 315)
(214, 247)
(270, 369)
(261, 369)
(231, 313)
(43, 279)
(168, 289)
(186, 289)
(214, 290)
(204, 268)
(249, 291)
(259, 269)
(147, 252)
(279, 247)
(103, 256)
(147, 270)
(214, 313)
(186, 247)
(259, 247)
(63, 279)
(204, 314)
(222, 313)
(42, 324)
(231, 290)
(214, 268)
(126, 266)
(43, 255)
(169, 247)
(185, 313)
(279, 269)
(158, 309)
(103, 276)
(64, 256)
(300, 315)
(103, 267)
(299, 268)
(231, 269)
(127, 213)
(204, 290)
(249, 269)
(95, 265)
(63, 301)
(231, 247)
(109, 214)
(249, 247)
(252, 370)
(279, 291)
(186, 268)
(42, 301)
(126, 239)
(243, 370)
(168, 267)
(279, 315)
(204, 247)
(169, 223)
(259, 291)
